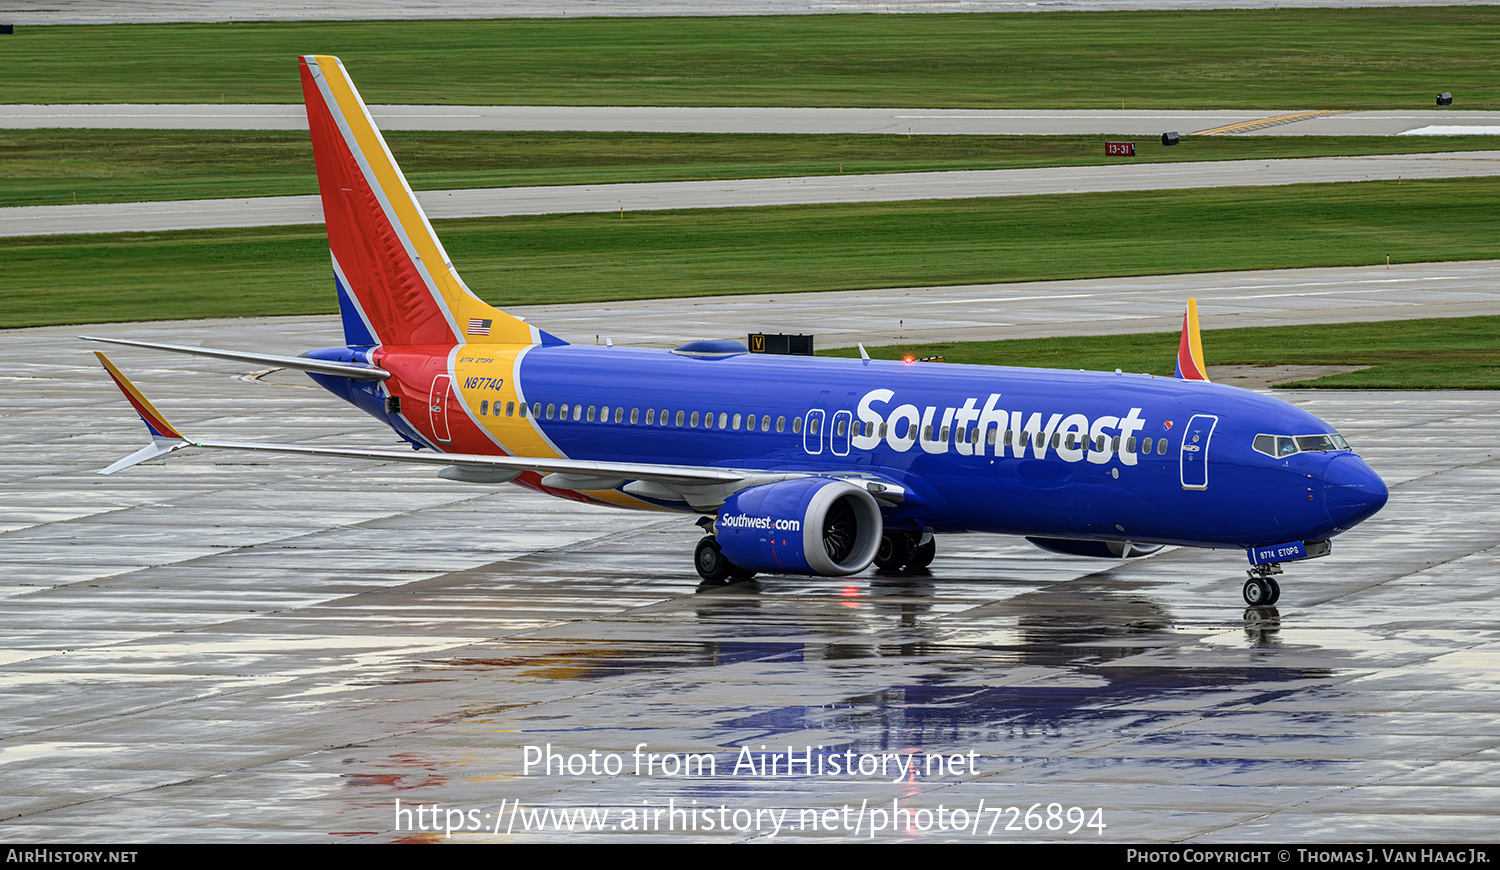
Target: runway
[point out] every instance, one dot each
(738, 119)
(500, 202)
(224, 649)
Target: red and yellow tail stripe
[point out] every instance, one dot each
(1190, 365)
(406, 288)
(160, 429)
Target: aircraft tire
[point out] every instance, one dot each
(895, 549)
(710, 562)
(922, 556)
(1275, 591)
(1257, 592)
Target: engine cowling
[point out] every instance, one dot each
(806, 525)
(1096, 549)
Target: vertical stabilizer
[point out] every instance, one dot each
(1190, 365)
(396, 284)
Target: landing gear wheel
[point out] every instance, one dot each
(1275, 591)
(1259, 591)
(710, 562)
(921, 556)
(895, 548)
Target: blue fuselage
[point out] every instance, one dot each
(1057, 454)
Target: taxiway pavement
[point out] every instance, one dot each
(736, 119)
(498, 202)
(232, 649)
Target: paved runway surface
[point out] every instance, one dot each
(690, 119)
(494, 202)
(230, 649)
(149, 11)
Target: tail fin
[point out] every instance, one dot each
(396, 284)
(1190, 365)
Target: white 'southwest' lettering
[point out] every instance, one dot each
(974, 431)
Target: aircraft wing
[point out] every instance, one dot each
(703, 488)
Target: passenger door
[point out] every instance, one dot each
(1193, 463)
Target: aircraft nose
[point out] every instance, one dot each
(1353, 491)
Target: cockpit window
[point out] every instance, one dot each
(1322, 442)
(1287, 445)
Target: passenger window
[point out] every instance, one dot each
(839, 428)
(578, 413)
(1130, 445)
(796, 425)
(635, 416)
(927, 432)
(1161, 447)
(1056, 440)
(550, 408)
(536, 409)
(591, 414)
(736, 422)
(990, 437)
(1099, 444)
(813, 426)
(749, 422)
(723, 421)
(651, 417)
(678, 418)
(1146, 446)
(1114, 444)
(694, 422)
(510, 409)
(484, 407)
(781, 424)
(765, 423)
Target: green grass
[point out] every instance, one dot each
(602, 257)
(1458, 353)
(50, 167)
(1289, 58)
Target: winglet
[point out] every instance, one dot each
(164, 436)
(1190, 365)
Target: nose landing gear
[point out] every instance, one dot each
(1260, 590)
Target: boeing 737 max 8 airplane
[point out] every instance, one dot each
(796, 465)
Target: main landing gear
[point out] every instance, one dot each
(1261, 590)
(905, 551)
(713, 567)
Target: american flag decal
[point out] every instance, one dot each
(479, 327)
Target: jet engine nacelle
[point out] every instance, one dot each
(1096, 549)
(806, 525)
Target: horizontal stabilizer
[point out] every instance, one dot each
(299, 363)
